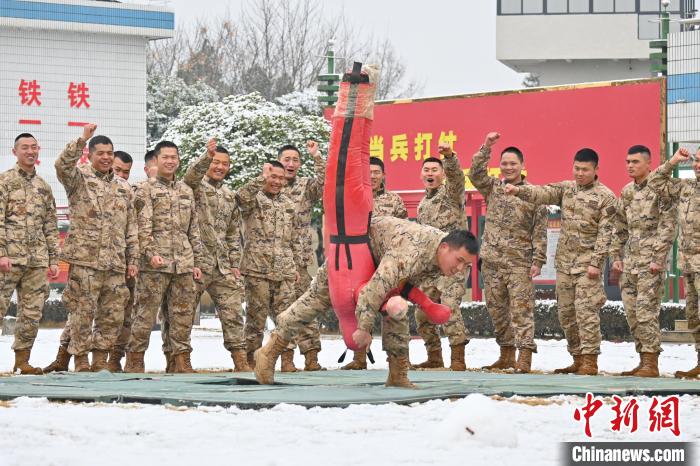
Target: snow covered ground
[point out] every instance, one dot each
(515, 431)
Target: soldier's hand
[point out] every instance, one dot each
(53, 272)
(617, 266)
(157, 261)
(681, 155)
(362, 339)
(197, 273)
(491, 139)
(267, 168)
(236, 272)
(211, 147)
(445, 149)
(511, 190)
(297, 277)
(396, 307)
(5, 264)
(535, 271)
(132, 271)
(655, 268)
(88, 132)
(312, 147)
(593, 272)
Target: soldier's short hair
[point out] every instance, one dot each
(24, 135)
(377, 161)
(514, 150)
(587, 155)
(150, 155)
(432, 159)
(99, 139)
(166, 144)
(222, 150)
(457, 239)
(123, 156)
(639, 149)
(276, 164)
(288, 147)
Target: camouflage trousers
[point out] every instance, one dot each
(174, 295)
(448, 291)
(227, 293)
(32, 290)
(579, 299)
(510, 300)
(95, 300)
(691, 282)
(316, 300)
(641, 296)
(125, 331)
(309, 338)
(264, 298)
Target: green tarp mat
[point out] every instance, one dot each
(327, 388)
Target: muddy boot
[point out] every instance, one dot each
(524, 361)
(398, 372)
(572, 368)
(82, 363)
(240, 361)
(99, 361)
(251, 359)
(632, 371)
(182, 365)
(266, 357)
(694, 372)
(589, 365)
(358, 363)
(169, 362)
(650, 365)
(22, 363)
(288, 361)
(311, 361)
(434, 360)
(61, 361)
(114, 364)
(134, 363)
(506, 360)
(457, 358)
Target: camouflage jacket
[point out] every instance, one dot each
(443, 207)
(304, 193)
(406, 252)
(388, 204)
(645, 226)
(103, 232)
(219, 218)
(686, 192)
(168, 226)
(587, 220)
(515, 234)
(272, 247)
(28, 229)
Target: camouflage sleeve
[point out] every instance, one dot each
(666, 229)
(388, 276)
(601, 249)
(247, 193)
(620, 229)
(233, 238)
(549, 194)
(67, 165)
(539, 236)
(196, 171)
(3, 211)
(315, 188)
(300, 260)
(132, 234)
(400, 210)
(144, 219)
(455, 179)
(50, 228)
(478, 172)
(195, 238)
(661, 183)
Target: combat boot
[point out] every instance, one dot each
(169, 362)
(22, 363)
(694, 372)
(457, 358)
(134, 362)
(572, 368)
(266, 357)
(181, 363)
(524, 361)
(633, 371)
(82, 363)
(251, 359)
(240, 361)
(288, 361)
(434, 360)
(398, 372)
(61, 361)
(114, 364)
(311, 361)
(99, 360)
(358, 363)
(650, 365)
(589, 365)
(506, 360)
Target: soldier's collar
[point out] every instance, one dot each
(109, 176)
(589, 185)
(432, 192)
(642, 185)
(24, 174)
(292, 182)
(216, 184)
(519, 183)
(165, 181)
(379, 192)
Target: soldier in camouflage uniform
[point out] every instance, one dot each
(587, 216)
(220, 229)
(645, 227)
(686, 192)
(171, 259)
(272, 254)
(101, 248)
(28, 246)
(405, 252)
(443, 208)
(513, 251)
(304, 193)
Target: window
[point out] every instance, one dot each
(603, 6)
(625, 6)
(579, 6)
(649, 5)
(556, 6)
(511, 7)
(533, 6)
(648, 27)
